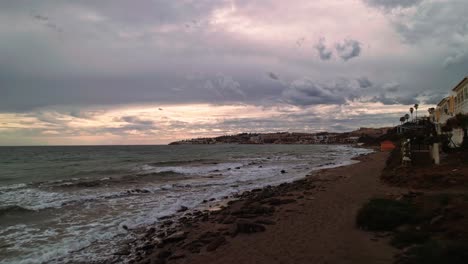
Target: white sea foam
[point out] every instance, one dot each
(96, 215)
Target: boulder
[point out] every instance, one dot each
(182, 209)
(247, 227)
(176, 237)
(213, 245)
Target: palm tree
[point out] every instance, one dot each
(416, 107)
(406, 117)
(411, 111)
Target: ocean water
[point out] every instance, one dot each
(69, 204)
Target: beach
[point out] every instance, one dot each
(89, 204)
(307, 221)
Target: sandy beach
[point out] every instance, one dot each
(307, 221)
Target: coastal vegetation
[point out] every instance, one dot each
(385, 214)
(427, 228)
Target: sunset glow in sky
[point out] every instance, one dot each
(155, 71)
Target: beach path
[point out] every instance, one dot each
(320, 228)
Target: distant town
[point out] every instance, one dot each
(363, 134)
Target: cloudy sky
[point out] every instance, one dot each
(154, 71)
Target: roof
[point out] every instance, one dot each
(460, 84)
(442, 101)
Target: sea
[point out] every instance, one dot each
(75, 204)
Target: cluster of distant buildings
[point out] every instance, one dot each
(455, 103)
(444, 119)
(290, 138)
(302, 138)
(449, 107)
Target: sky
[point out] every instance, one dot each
(88, 72)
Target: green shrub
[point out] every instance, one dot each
(385, 214)
(439, 252)
(410, 237)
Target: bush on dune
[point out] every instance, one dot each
(439, 252)
(385, 214)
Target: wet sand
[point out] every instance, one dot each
(307, 221)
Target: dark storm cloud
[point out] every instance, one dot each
(305, 91)
(40, 17)
(324, 53)
(391, 4)
(307, 121)
(364, 82)
(443, 24)
(348, 49)
(409, 100)
(391, 87)
(136, 120)
(435, 99)
(224, 87)
(273, 76)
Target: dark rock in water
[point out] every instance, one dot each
(216, 243)
(207, 237)
(88, 184)
(260, 166)
(177, 256)
(176, 237)
(193, 246)
(228, 168)
(265, 222)
(212, 199)
(151, 231)
(237, 168)
(204, 201)
(247, 227)
(229, 220)
(182, 209)
(283, 171)
(125, 227)
(276, 201)
(122, 252)
(164, 254)
(253, 210)
(167, 222)
(146, 247)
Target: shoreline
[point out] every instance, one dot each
(198, 236)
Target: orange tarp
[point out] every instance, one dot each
(386, 145)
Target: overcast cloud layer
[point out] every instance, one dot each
(153, 71)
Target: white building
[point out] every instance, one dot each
(460, 93)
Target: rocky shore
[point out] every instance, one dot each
(307, 221)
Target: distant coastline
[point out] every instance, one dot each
(361, 135)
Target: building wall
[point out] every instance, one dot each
(445, 110)
(461, 100)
